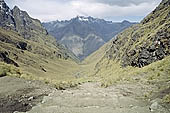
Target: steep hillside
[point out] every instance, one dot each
(84, 35)
(25, 43)
(146, 42)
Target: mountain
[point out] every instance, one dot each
(84, 35)
(144, 43)
(25, 25)
(26, 44)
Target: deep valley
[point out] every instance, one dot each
(84, 65)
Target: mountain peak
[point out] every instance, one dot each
(16, 8)
(89, 19)
(125, 21)
(82, 18)
(3, 5)
(6, 17)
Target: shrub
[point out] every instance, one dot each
(2, 73)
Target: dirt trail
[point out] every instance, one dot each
(91, 98)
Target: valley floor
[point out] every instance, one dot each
(36, 97)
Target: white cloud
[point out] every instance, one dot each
(122, 2)
(48, 10)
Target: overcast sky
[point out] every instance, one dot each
(115, 10)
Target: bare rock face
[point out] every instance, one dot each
(157, 50)
(22, 45)
(4, 57)
(6, 17)
(26, 25)
(19, 21)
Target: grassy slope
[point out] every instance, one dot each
(111, 62)
(40, 56)
(141, 37)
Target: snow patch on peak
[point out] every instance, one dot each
(1, 6)
(81, 18)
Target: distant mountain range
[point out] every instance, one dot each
(84, 35)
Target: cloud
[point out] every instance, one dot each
(123, 2)
(116, 10)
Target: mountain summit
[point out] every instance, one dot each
(84, 35)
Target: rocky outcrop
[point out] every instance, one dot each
(4, 57)
(159, 49)
(6, 17)
(19, 21)
(22, 45)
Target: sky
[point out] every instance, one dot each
(114, 10)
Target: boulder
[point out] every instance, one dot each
(22, 45)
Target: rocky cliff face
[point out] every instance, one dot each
(26, 25)
(6, 17)
(84, 35)
(19, 21)
(146, 42)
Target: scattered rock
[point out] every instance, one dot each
(42, 68)
(31, 98)
(4, 57)
(22, 45)
(154, 106)
(131, 106)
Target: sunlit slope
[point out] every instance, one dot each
(37, 60)
(26, 44)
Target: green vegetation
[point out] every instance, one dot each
(137, 45)
(9, 70)
(166, 99)
(155, 73)
(42, 60)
